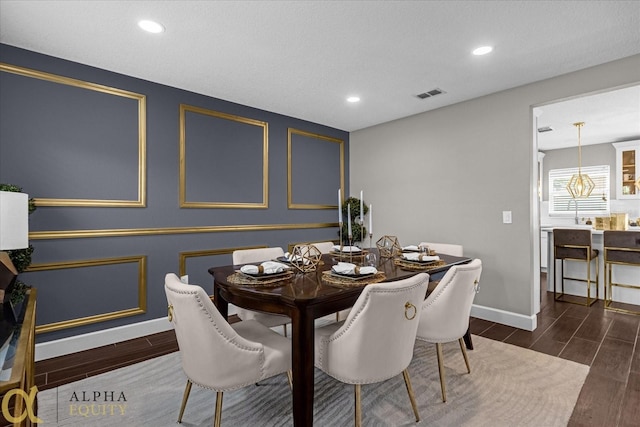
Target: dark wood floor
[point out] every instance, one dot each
(607, 341)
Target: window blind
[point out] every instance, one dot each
(560, 201)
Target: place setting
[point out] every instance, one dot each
(268, 273)
(418, 257)
(347, 274)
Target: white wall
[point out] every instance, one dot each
(446, 175)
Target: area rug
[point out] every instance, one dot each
(508, 386)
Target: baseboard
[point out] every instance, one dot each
(520, 321)
(64, 346)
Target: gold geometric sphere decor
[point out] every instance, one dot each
(305, 258)
(388, 246)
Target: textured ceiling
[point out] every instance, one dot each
(304, 58)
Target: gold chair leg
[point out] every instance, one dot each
(290, 378)
(464, 354)
(185, 397)
(412, 397)
(358, 420)
(218, 415)
(443, 386)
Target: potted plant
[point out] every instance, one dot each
(352, 206)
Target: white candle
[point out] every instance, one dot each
(349, 220)
(370, 219)
(361, 211)
(339, 206)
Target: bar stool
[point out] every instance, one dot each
(572, 244)
(620, 248)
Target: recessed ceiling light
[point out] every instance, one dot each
(353, 99)
(482, 50)
(151, 26)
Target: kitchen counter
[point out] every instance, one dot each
(549, 228)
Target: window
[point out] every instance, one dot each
(562, 204)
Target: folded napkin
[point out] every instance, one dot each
(267, 267)
(414, 256)
(411, 248)
(337, 248)
(295, 258)
(348, 268)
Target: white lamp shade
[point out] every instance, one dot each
(14, 220)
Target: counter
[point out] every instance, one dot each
(621, 274)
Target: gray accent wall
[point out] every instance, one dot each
(63, 142)
(446, 176)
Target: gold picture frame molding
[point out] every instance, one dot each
(184, 108)
(127, 232)
(290, 133)
(182, 267)
(142, 137)
(141, 260)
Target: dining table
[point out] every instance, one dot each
(305, 297)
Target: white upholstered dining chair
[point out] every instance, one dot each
(324, 247)
(246, 256)
(444, 248)
(376, 340)
(446, 311)
(216, 355)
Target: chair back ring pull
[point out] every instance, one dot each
(410, 311)
(170, 312)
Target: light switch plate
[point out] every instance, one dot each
(506, 217)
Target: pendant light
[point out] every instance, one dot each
(580, 185)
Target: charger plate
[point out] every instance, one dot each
(417, 265)
(349, 282)
(266, 280)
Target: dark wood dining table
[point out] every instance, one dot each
(305, 298)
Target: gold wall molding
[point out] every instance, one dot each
(290, 133)
(142, 291)
(183, 159)
(142, 137)
(127, 232)
(207, 252)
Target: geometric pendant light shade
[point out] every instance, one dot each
(580, 185)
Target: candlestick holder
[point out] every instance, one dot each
(350, 248)
(340, 225)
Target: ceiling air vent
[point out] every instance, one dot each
(545, 129)
(430, 93)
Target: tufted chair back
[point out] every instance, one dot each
(376, 340)
(324, 247)
(445, 313)
(213, 354)
(245, 256)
